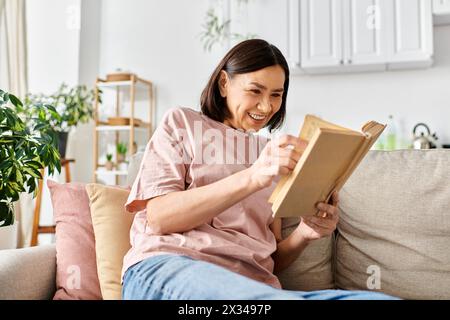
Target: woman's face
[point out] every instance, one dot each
(252, 98)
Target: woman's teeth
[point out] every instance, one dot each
(256, 116)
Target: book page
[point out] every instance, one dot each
(312, 123)
(372, 130)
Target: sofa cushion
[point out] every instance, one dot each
(394, 228)
(133, 168)
(28, 273)
(76, 270)
(312, 270)
(112, 235)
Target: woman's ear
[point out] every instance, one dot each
(223, 83)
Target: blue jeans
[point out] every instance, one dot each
(174, 277)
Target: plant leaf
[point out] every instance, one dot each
(15, 101)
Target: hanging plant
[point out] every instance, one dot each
(217, 32)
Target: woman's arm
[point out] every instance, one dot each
(309, 229)
(289, 249)
(185, 210)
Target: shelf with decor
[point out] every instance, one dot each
(119, 128)
(124, 120)
(112, 172)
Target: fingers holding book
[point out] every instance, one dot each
(289, 141)
(327, 210)
(279, 157)
(287, 148)
(335, 199)
(324, 223)
(313, 228)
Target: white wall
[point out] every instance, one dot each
(53, 44)
(80, 138)
(63, 46)
(159, 42)
(53, 36)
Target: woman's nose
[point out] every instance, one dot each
(264, 106)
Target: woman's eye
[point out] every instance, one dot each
(256, 91)
(276, 95)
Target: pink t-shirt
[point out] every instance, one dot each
(190, 150)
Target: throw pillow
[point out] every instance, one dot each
(76, 270)
(112, 235)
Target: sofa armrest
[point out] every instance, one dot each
(28, 274)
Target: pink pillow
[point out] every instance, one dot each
(76, 268)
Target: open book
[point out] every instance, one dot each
(332, 154)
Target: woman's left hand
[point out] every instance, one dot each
(322, 225)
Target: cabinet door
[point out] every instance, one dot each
(412, 37)
(365, 32)
(441, 7)
(271, 20)
(321, 33)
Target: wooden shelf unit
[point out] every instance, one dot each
(136, 83)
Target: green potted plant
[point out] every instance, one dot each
(24, 152)
(74, 104)
(109, 164)
(121, 152)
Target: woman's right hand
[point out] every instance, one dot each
(278, 157)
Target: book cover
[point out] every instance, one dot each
(332, 154)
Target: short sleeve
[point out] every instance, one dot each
(163, 167)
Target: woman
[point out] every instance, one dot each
(204, 227)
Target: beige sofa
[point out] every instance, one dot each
(393, 236)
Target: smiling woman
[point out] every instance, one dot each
(252, 98)
(253, 81)
(203, 227)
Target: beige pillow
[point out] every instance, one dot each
(313, 268)
(111, 225)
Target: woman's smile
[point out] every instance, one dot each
(259, 118)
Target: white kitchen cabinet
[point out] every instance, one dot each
(321, 34)
(275, 21)
(411, 43)
(365, 35)
(332, 36)
(441, 7)
(343, 35)
(441, 12)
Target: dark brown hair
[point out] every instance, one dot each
(247, 56)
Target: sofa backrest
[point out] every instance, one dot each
(394, 229)
(393, 233)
